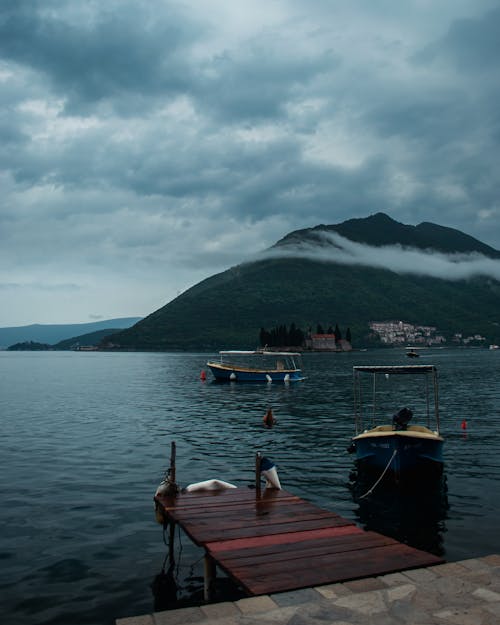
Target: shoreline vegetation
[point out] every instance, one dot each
(383, 335)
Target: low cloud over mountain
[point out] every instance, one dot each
(333, 248)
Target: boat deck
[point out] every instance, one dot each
(279, 542)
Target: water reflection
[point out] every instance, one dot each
(414, 514)
(164, 589)
(99, 427)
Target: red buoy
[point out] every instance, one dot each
(464, 425)
(203, 375)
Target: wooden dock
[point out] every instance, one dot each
(275, 541)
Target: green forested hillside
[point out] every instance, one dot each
(228, 310)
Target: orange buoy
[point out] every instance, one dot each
(203, 375)
(269, 419)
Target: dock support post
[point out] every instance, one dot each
(172, 462)
(209, 577)
(258, 459)
(173, 490)
(171, 541)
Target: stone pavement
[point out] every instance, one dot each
(457, 593)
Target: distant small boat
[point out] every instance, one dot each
(398, 448)
(494, 346)
(412, 353)
(257, 366)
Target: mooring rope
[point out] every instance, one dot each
(370, 490)
(176, 560)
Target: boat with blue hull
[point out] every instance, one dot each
(257, 366)
(399, 448)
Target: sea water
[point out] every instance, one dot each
(86, 439)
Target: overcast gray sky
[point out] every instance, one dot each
(148, 144)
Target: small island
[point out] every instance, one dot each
(29, 346)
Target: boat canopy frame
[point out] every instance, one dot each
(293, 359)
(428, 371)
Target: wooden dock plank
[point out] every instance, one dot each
(282, 539)
(314, 570)
(214, 534)
(222, 497)
(280, 542)
(269, 512)
(213, 510)
(302, 549)
(255, 518)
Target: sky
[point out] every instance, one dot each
(146, 145)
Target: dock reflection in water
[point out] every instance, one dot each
(415, 515)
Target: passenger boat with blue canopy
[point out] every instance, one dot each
(399, 448)
(257, 366)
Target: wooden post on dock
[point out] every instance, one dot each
(209, 576)
(258, 459)
(171, 541)
(172, 462)
(171, 479)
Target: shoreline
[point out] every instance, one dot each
(466, 592)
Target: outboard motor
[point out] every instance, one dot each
(401, 419)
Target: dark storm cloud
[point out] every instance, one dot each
(120, 50)
(305, 188)
(171, 140)
(471, 45)
(259, 82)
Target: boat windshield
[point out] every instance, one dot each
(381, 392)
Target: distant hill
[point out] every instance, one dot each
(228, 309)
(52, 334)
(85, 340)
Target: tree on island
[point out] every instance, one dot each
(281, 336)
(29, 346)
(337, 333)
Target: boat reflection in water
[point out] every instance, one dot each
(415, 516)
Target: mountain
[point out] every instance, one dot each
(228, 309)
(51, 334)
(379, 230)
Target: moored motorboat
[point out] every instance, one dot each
(257, 366)
(398, 448)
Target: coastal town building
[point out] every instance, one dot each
(467, 340)
(403, 333)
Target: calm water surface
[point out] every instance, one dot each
(86, 439)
